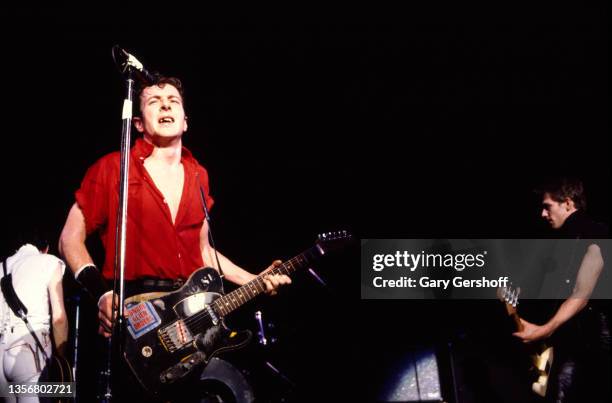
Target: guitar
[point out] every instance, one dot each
(59, 370)
(171, 336)
(541, 355)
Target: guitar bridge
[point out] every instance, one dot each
(175, 336)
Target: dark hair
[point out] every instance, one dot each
(564, 188)
(160, 81)
(36, 236)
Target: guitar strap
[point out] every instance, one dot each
(207, 218)
(18, 308)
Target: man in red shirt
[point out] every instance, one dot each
(167, 234)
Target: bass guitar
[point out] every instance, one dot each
(541, 355)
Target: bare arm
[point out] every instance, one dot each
(586, 280)
(233, 272)
(72, 240)
(588, 274)
(58, 312)
(72, 248)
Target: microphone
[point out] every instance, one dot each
(125, 61)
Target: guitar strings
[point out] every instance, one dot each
(287, 267)
(203, 315)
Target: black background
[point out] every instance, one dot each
(389, 123)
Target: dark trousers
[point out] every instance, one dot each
(581, 368)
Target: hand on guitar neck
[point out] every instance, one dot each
(526, 331)
(541, 355)
(173, 335)
(274, 280)
(530, 332)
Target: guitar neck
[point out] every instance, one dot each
(228, 303)
(517, 321)
(509, 296)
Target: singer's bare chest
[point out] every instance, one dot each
(169, 180)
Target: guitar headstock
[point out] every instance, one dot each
(328, 241)
(509, 295)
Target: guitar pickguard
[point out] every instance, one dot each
(194, 303)
(187, 334)
(179, 334)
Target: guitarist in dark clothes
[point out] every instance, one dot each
(167, 234)
(579, 330)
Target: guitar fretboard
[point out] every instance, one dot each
(227, 303)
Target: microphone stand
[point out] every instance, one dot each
(118, 329)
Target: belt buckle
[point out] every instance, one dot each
(178, 283)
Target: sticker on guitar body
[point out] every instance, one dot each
(142, 318)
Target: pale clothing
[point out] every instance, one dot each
(20, 358)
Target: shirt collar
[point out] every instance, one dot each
(142, 149)
(28, 249)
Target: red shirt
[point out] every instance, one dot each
(154, 245)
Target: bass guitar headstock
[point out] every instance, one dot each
(510, 296)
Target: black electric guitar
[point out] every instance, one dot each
(172, 335)
(541, 355)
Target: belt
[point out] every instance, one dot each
(160, 282)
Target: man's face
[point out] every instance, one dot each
(162, 112)
(556, 212)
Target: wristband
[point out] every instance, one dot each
(90, 278)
